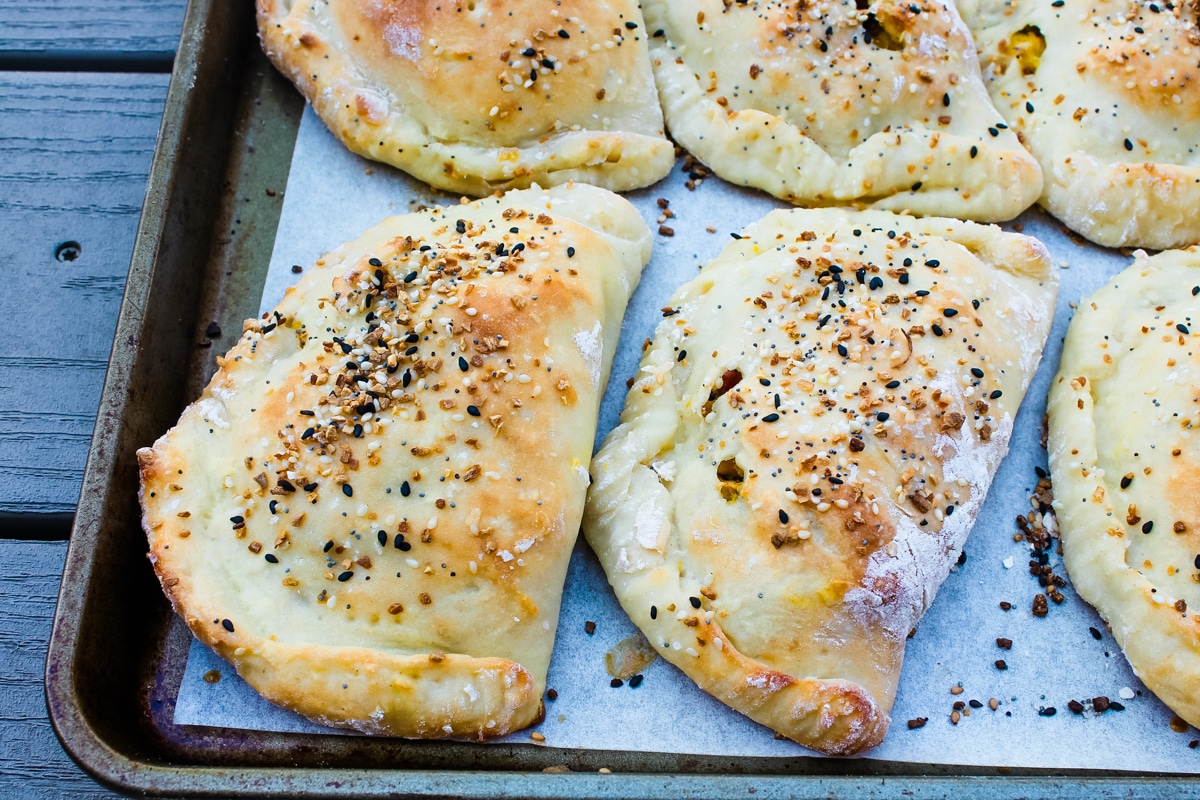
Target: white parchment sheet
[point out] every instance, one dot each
(332, 196)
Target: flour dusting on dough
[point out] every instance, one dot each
(403, 41)
(591, 347)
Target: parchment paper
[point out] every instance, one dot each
(332, 196)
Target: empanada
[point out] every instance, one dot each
(805, 448)
(370, 509)
(834, 102)
(478, 95)
(1105, 96)
(1124, 455)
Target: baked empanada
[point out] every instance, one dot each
(835, 102)
(478, 95)
(1106, 97)
(808, 441)
(370, 509)
(1124, 458)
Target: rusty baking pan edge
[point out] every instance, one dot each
(116, 650)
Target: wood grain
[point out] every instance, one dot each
(141, 31)
(32, 763)
(74, 154)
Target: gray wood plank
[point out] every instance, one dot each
(128, 28)
(32, 763)
(74, 154)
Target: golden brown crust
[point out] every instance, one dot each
(481, 95)
(1123, 455)
(370, 509)
(835, 102)
(1106, 96)
(793, 477)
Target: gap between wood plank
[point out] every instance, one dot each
(86, 61)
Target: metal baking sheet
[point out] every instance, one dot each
(334, 195)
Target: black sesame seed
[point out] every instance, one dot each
(1182, 328)
(977, 372)
(461, 226)
(304, 412)
(735, 235)
(310, 487)
(345, 576)
(937, 329)
(974, 151)
(286, 485)
(946, 99)
(996, 395)
(682, 355)
(236, 519)
(570, 252)
(1115, 706)
(1128, 145)
(892, 385)
(562, 34)
(410, 277)
(630, 25)
(375, 262)
(654, 609)
(404, 547)
(950, 312)
(1096, 634)
(328, 546)
(358, 431)
(772, 417)
(382, 537)
(778, 400)
(271, 559)
(695, 601)
(883, 416)
(410, 351)
(635, 681)
(227, 625)
(842, 351)
(922, 292)
(876, 282)
(272, 505)
(1048, 711)
(1147, 526)
(406, 378)
(1125, 481)
(347, 490)
(1197, 562)
(308, 432)
(993, 132)
(473, 411)
(462, 364)
(1028, 107)
(903, 278)
(764, 381)
(783, 517)
(1195, 290)
(529, 52)
(405, 489)
(916, 187)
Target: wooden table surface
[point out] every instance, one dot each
(82, 85)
